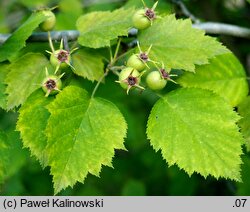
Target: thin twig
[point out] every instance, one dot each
(209, 27)
(117, 49)
(99, 82)
(185, 11)
(110, 54)
(65, 42)
(112, 61)
(50, 42)
(224, 29)
(213, 27)
(72, 35)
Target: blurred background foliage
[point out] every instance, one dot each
(139, 171)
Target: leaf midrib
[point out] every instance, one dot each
(74, 139)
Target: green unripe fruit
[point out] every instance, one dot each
(50, 22)
(129, 77)
(140, 21)
(155, 81)
(135, 62)
(60, 57)
(51, 84)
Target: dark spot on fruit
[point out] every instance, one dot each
(143, 56)
(132, 80)
(150, 14)
(164, 74)
(50, 84)
(62, 56)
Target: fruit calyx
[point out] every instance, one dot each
(130, 78)
(60, 58)
(150, 12)
(63, 56)
(166, 74)
(51, 84)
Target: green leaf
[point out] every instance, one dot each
(88, 64)
(3, 73)
(34, 47)
(16, 150)
(224, 75)
(178, 45)
(244, 111)
(196, 130)
(32, 122)
(97, 29)
(25, 76)
(82, 135)
(17, 40)
(12, 156)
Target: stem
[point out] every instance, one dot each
(65, 42)
(115, 72)
(116, 50)
(116, 68)
(224, 29)
(111, 54)
(74, 46)
(99, 82)
(112, 61)
(122, 55)
(50, 42)
(185, 11)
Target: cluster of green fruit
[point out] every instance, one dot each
(60, 59)
(130, 76)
